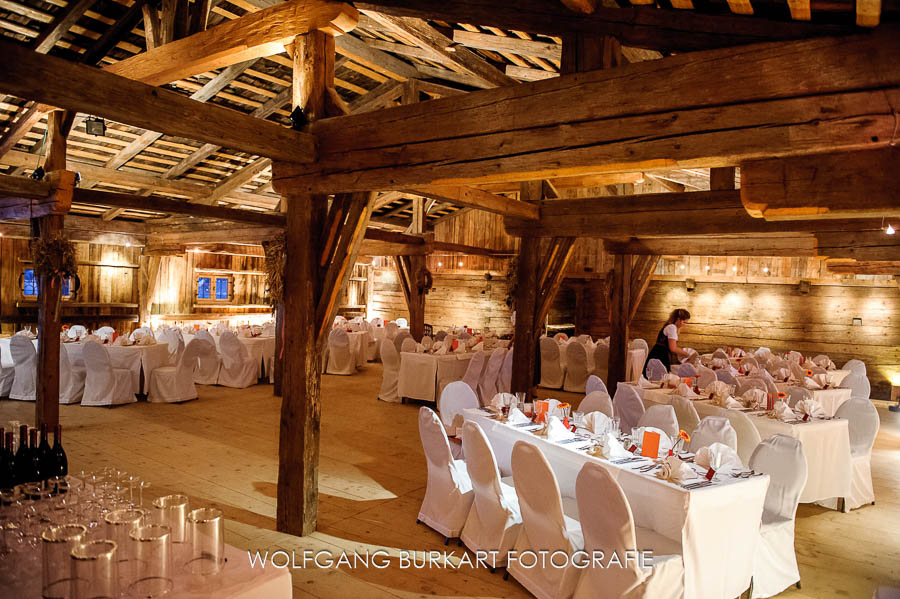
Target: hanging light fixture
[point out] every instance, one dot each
(95, 126)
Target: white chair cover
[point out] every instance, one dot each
(440, 335)
(863, 422)
(747, 434)
(725, 376)
(448, 492)
(237, 369)
(855, 366)
(208, 361)
(402, 323)
(774, 562)
(76, 331)
(714, 429)
(858, 384)
(687, 369)
(552, 371)
(544, 525)
(707, 376)
(597, 401)
(628, 406)
(796, 394)
(103, 384)
(7, 373)
(390, 373)
(750, 382)
(105, 332)
(455, 398)
(71, 379)
(504, 381)
(399, 338)
(576, 368)
(340, 358)
(494, 521)
(141, 332)
(663, 418)
(595, 383)
(24, 357)
(172, 384)
(474, 370)
(611, 530)
(640, 344)
(390, 330)
(487, 387)
(656, 370)
(601, 361)
(408, 345)
(372, 345)
(686, 413)
(427, 342)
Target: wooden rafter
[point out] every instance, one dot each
(480, 199)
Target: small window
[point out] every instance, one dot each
(221, 289)
(29, 283)
(203, 288)
(65, 288)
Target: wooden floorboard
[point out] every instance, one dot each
(222, 450)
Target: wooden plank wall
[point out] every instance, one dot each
(108, 294)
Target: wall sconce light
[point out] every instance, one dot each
(690, 284)
(440, 264)
(766, 269)
(804, 287)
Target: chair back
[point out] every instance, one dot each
(639, 344)
(481, 464)
(597, 401)
(400, 337)
(409, 345)
(663, 418)
(105, 332)
(539, 499)
(714, 429)
(686, 413)
(504, 381)
(747, 434)
(858, 384)
(551, 364)
(656, 370)
(796, 394)
(725, 376)
(855, 366)
(487, 387)
(402, 323)
(628, 406)
(96, 358)
(781, 457)
(707, 376)
(390, 330)
(595, 383)
(440, 335)
(455, 398)
(576, 366)
(863, 422)
(686, 369)
(232, 350)
(390, 359)
(473, 371)
(23, 352)
(427, 342)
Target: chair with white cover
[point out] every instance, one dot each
(174, 339)
(862, 420)
(399, 338)
(706, 376)
(448, 491)
(494, 521)
(797, 371)
(440, 335)
(402, 323)
(474, 370)
(856, 366)
(796, 394)
(371, 348)
(640, 344)
(487, 387)
(720, 354)
(76, 331)
(238, 369)
(504, 381)
(858, 384)
(71, 379)
(141, 332)
(104, 385)
(611, 530)
(390, 373)
(7, 373)
(105, 333)
(687, 369)
(600, 365)
(656, 370)
(455, 398)
(725, 376)
(544, 526)
(714, 429)
(173, 384)
(595, 383)
(597, 401)
(661, 417)
(686, 413)
(208, 360)
(409, 345)
(390, 330)
(576, 368)
(340, 358)
(427, 342)
(628, 406)
(24, 357)
(750, 382)
(747, 434)
(774, 561)
(552, 371)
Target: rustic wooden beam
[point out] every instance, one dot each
(840, 185)
(852, 267)
(365, 54)
(478, 198)
(619, 308)
(254, 35)
(865, 246)
(776, 244)
(149, 280)
(527, 325)
(84, 89)
(236, 180)
(570, 125)
(60, 25)
(515, 45)
(576, 182)
(640, 280)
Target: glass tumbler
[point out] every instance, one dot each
(119, 524)
(95, 570)
(171, 511)
(152, 548)
(207, 533)
(56, 546)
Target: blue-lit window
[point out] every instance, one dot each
(65, 288)
(29, 283)
(221, 289)
(203, 288)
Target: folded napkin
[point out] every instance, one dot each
(812, 407)
(754, 398)
(597, 423)
(782, 412)
(420, 349)
(460, 349)
(613, 450)
(671, 380)
(717, 390)
(556, 431)
(147, 340)
(665, 443)
(478, 346)
(92, 338)
(440, 351)
(732, 404)
(810, 382)
(517, 417)
(674, 470)
(718, 456)
(782, 374)
(643, 383)
(684, 390)
(122, 341)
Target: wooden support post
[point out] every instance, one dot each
(278, 378)
(149, 273)
(411, 272)
(619, 308)
(526, 327)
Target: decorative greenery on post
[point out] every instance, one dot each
(54, 260)
(275, 259)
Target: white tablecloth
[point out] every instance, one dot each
(831, 399)
(717, 526)
(826, 445)
(261, 350)
(421, 374)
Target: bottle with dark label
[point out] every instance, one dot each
(36, 470)
(23, 457)
(45, 454)
(8, 474)
(61, 462)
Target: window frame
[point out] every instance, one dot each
(214, 278)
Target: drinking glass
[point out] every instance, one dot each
(95, 570)
(171, 511)
(616, 423)
(521, 398)
(207, 533)
(119, 525)
(56, 545)
(152, 548)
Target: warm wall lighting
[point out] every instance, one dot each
(681, 266)
(460, 263)
(708, 267)
(128, 244)
(889, 230)
(734, 269)
(765, 269)
(440, 264)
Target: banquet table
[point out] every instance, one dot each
(717, 526)
(421, 374)
(826, 445)
(261, 350)
(831, 399)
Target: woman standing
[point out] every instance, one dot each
(667, 340)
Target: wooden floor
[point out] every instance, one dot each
(222, 450)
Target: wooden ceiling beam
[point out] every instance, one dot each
(514, 45)
(857, 245)
(853, 267)
(718, 108)
(84, 89)
(775, 244)
(480, 199)
(367, 55)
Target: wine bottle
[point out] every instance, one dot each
(37, 466)
(23, 457)
(46, 454)
(59, 454)
(8, 474)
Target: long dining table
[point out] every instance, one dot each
(717, 526)
(261, 350)
(422, 374)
